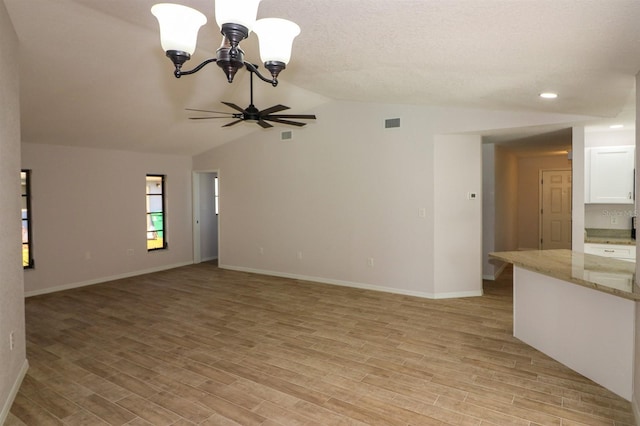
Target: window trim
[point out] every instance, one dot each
(165, 244)
(27, 195)
(216, 195)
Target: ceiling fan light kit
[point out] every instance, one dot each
(179, 26)
(253, 114)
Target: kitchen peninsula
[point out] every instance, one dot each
(578, 309)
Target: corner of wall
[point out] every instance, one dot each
(4, 412)
(12, 360)
(635, 399)
(578, 182)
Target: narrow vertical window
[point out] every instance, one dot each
(156, 218)
(27, 249)
(215, 195)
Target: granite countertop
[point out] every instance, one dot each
(609, 236)
(610, 240)
(600, 273)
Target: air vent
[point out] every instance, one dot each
(286, 135)
(390, 123)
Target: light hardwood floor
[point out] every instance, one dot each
(201, 345)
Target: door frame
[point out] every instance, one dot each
(540, 198)
(195, 213)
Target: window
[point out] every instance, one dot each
(156, 218)
(215, 195)
(27, 250)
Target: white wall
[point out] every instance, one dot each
(345, 190)
(609, 137)
(89, 215)
(13, 363)
(457, 216)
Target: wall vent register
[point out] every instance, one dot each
(391, 123)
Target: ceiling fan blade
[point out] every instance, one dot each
(307, 116)
(234, 106)
(206, 118)
(274, 108)
(232, 123)
(264, 124)
(277, 120)
(211, 112)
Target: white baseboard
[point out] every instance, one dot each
(636, 410)
(496, 274)
(354, 284)
(104, 279)
(13, 392)
(208, 259)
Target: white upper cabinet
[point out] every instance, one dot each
(611, 175)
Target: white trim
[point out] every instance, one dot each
(104, 279)
(457, 294)
(13, 392)
(634, 407)
(496, 274)
(208, 259)
(195, 197)
(354, 284)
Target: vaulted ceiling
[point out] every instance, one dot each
(93, 73)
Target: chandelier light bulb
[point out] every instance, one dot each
(276, 36)
(239, 12)
(179, 26)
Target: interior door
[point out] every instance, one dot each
(555, 209)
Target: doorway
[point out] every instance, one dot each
(555, 209)
(511, 191)
(206, 216)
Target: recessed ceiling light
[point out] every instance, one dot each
(548, 95)
(616, 126)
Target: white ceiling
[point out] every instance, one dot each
(93, 73)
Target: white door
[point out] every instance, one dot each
(555, 210)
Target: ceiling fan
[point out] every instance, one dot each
(251, 113)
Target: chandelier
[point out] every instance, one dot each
(179, 27)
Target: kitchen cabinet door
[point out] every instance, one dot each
(612, 175)
(617, 251)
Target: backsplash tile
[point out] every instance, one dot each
(598, 216)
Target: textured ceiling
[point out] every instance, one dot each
(93, 74)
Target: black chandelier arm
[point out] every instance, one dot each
(179, 60)
(179, 73)
(252, 68)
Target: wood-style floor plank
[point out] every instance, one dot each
(199, 345)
